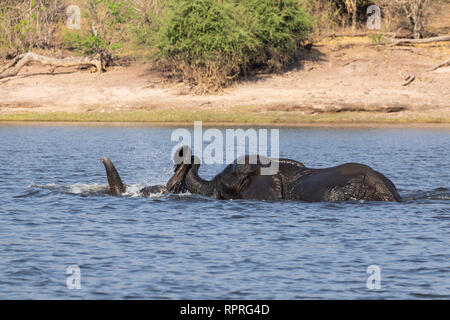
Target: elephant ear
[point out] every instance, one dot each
(262, 187)
(234, 176)
(248, 170)
(251, 165)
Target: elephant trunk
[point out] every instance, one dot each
(116, 187)
(197, 185)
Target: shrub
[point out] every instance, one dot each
(330, 15)
(409, 15)
(103, 29)
(209, 43)
(26, 24)
(278, 28)
(201, 42)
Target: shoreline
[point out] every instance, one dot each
(353, 125)
(246, 116)
(342, 82)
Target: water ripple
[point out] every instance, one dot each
(56, 213)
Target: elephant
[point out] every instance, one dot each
(242, 179)
(116, 187)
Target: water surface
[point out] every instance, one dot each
(54, 214)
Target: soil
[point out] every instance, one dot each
(346, 74)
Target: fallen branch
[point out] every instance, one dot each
(425, 40)
(349, 62)
(341, 35)
(15, 65)
(409, 79)
(11, 63)
(446, 62)
(333, 35)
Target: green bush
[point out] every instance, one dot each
(201, 42)
(278, 27)
(26, 24)
(104, 28)
(209, 43)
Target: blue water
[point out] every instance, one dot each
(54, 214)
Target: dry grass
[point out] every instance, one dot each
(28, 24)
(239, 115)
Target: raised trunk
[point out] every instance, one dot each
(116, 186)
(197, 185)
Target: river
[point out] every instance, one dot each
(55, 214)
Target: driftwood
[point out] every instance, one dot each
(425, 40)
(409, 79)
(446, 62)
(14, 66)
(333, 35)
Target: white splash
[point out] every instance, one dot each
(82, 188)
(77, 188)
(132, 190)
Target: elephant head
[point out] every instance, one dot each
(183, 162)
(241, 179)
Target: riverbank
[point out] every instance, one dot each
(248, 117)
(341, 80)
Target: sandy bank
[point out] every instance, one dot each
(344, 80)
